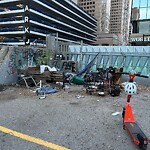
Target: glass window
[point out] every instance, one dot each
(144, 27)
(143, 13)
(148, 13)
(136, 3)
(149, 3)
(143, 3)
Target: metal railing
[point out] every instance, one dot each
(128, 57)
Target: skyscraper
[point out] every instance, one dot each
(113, 19)
(100, 9)
(144, 8)
(140, 22)
(120, 19)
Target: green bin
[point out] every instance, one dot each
(78, 80)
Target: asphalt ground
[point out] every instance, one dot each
(69, 119)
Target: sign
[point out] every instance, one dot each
(26, 24)
(140, 39)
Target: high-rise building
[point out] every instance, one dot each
(120, 15)
(113, 20)
(140, 21)
(102, 12)
(75, 1)
(100, 9)
(88, 6)
(25, 21)
(144, 8)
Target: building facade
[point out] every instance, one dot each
(120, 19)
(100, 9)
(75, 1)
(140, 23)
(23, 22)
(113, 20)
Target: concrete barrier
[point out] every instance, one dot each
(7, 73)
(138, 80)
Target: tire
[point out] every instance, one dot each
(143, 146)
(115, 91)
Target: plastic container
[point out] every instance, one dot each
(78, 80)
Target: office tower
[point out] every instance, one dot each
(134, 19)
(144, 8)
(88, 6)
(120, 19)
(100, 9)
(102, 13)
(135, 14)
(113, 19)
(24, 21)
(140, 23)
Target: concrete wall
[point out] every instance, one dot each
(138, 80)
(14, 58)
(8, 74)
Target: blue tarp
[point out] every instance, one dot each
(88, 66)
(46, 89)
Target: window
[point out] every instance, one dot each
(144, 26)
(144, 7)
(149, 3)
(143, 13)
(143, 3)
(148, 13)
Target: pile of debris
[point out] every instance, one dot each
(33, 75)
(104, 81)
(2, 88)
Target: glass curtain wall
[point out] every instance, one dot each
(144, 7)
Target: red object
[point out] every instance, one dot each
(129, 123)
(131, 77)
(128, 117)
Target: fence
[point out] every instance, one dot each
(128, 57)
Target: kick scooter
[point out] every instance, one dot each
(129, 123)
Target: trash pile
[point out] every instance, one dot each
(101, 81)
(42, 73)
(45, 89)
